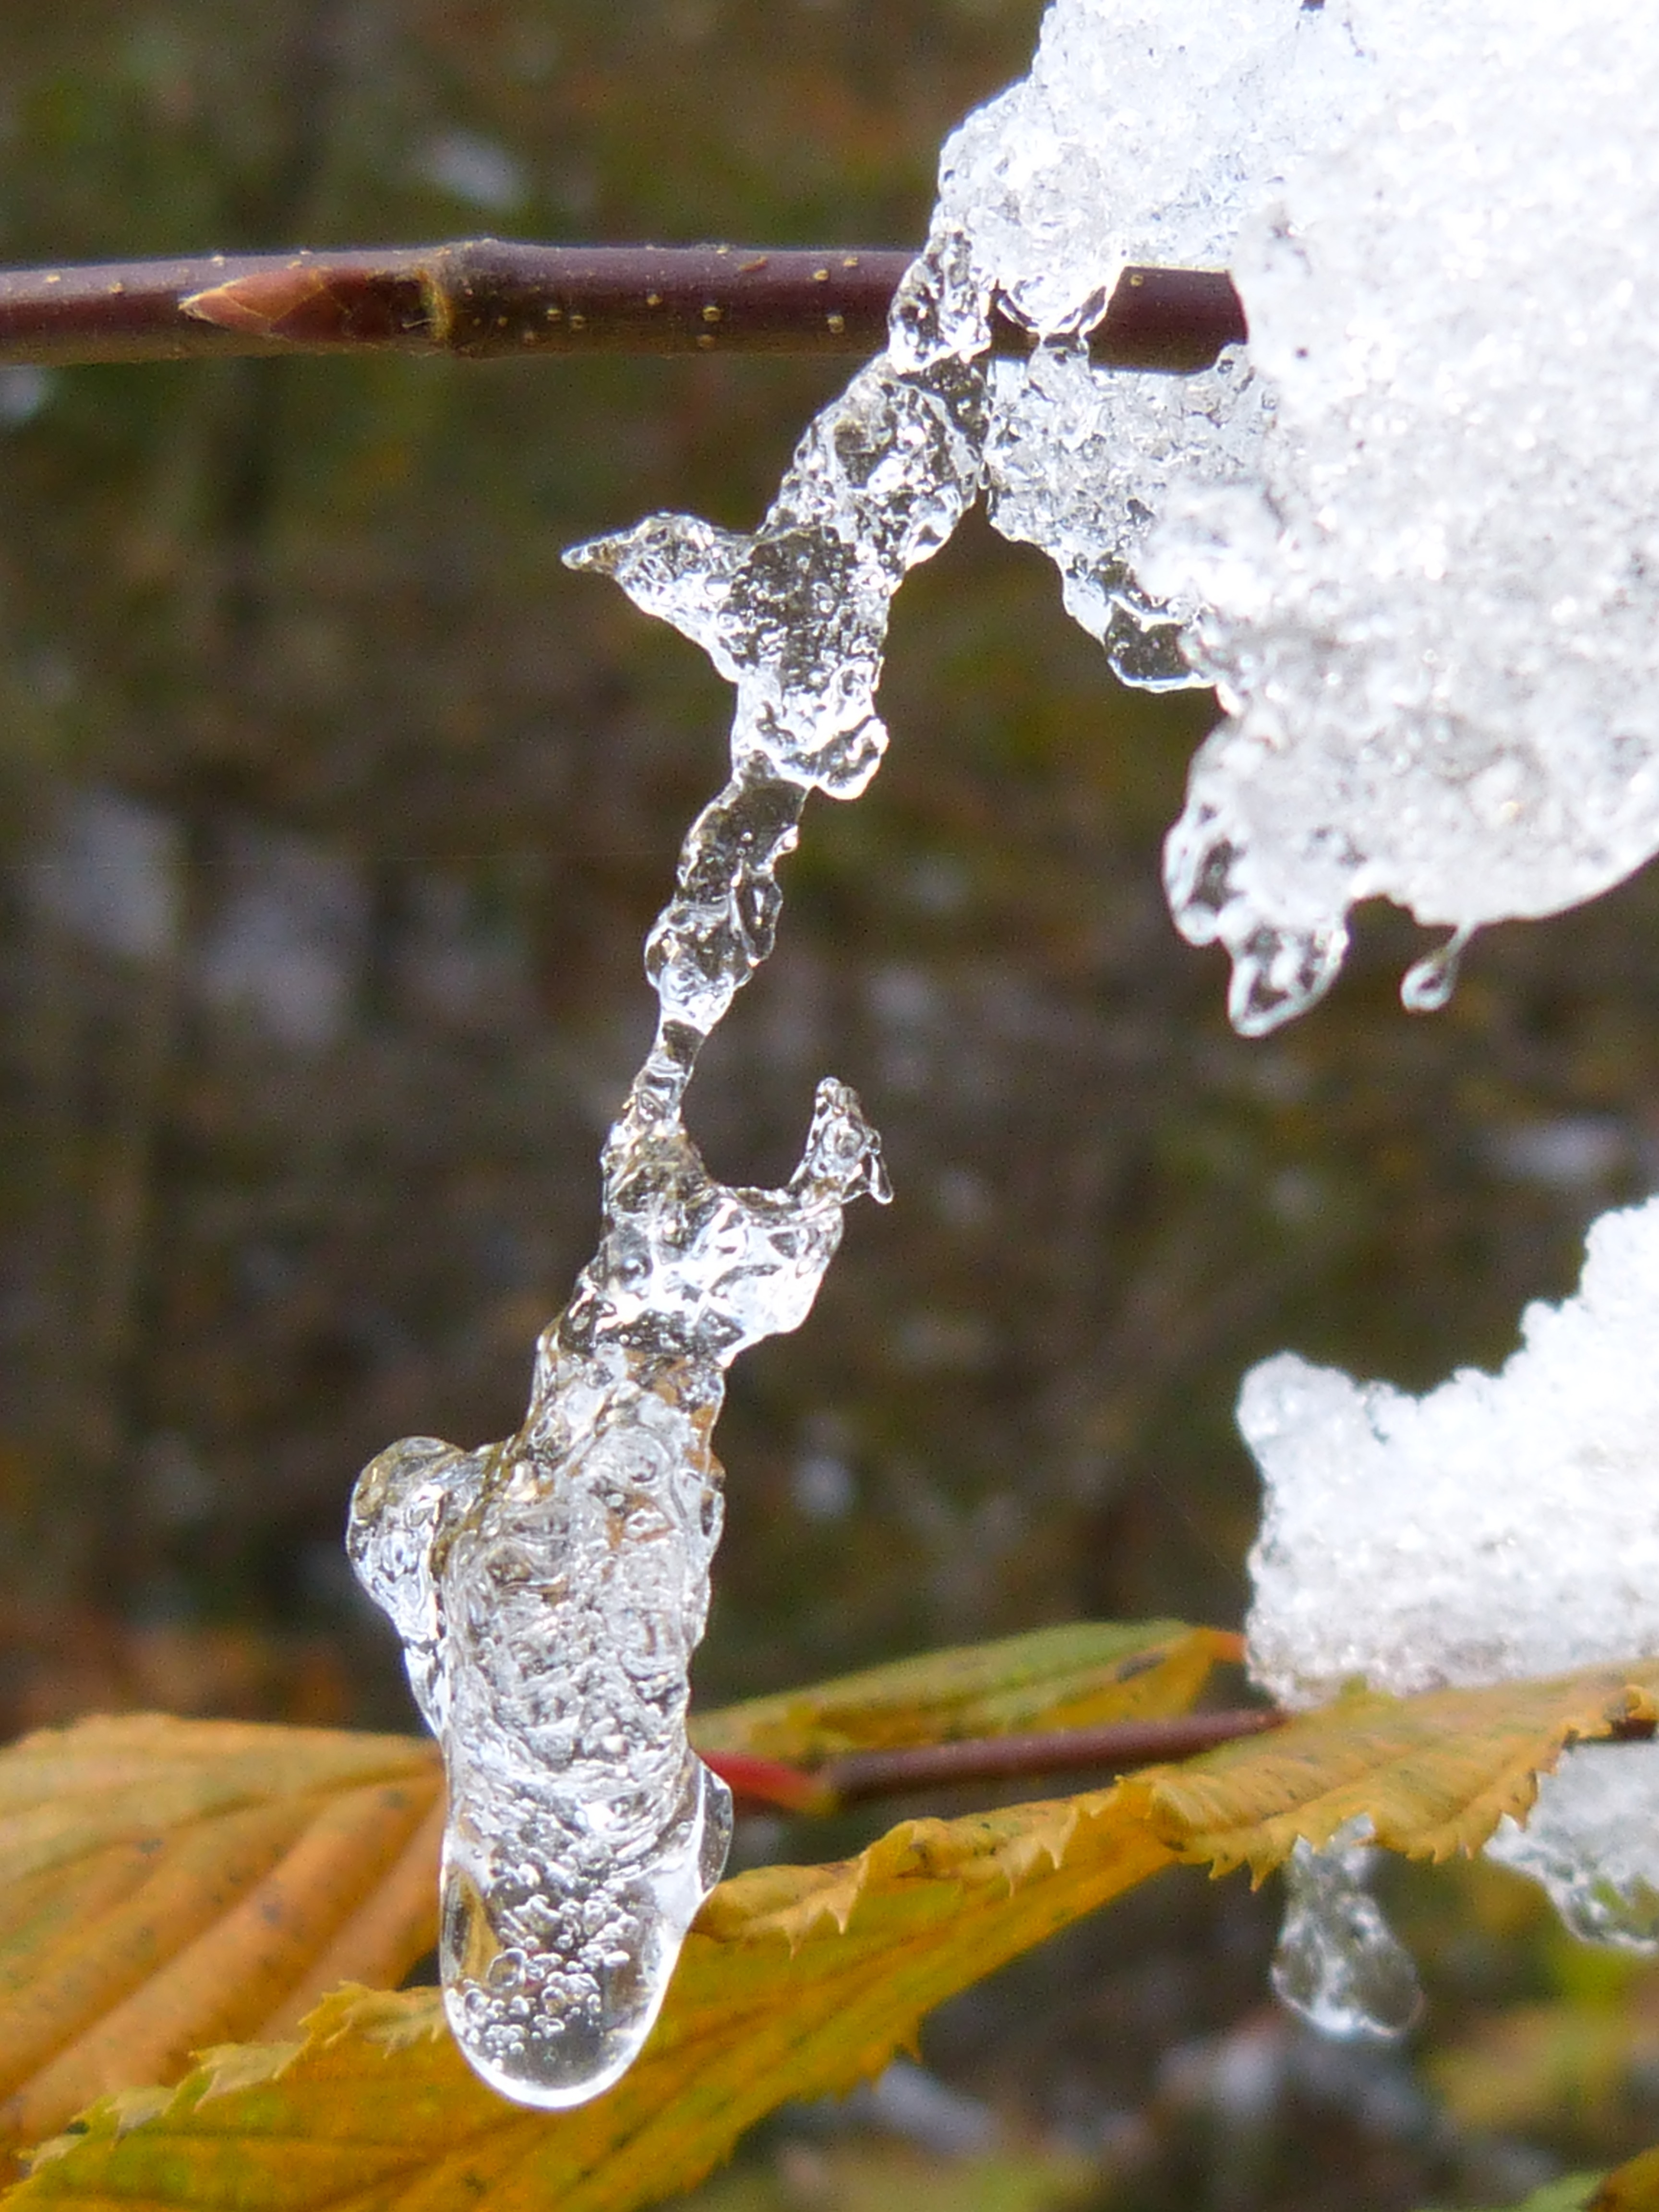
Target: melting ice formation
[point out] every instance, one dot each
(1409, 537)
(1503, 1525)
(1434, 614)
(1409, 534)
(549, 1591)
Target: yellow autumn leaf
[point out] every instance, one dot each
(795, 1982)
(1632, 2187)
(1433, 1774)
(164, 1883)
(798, 1981)
(1083, 1675)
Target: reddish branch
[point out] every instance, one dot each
(864, 1774)
(487, 299)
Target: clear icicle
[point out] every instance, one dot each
(1592, 1842)
(549, 1591)
(1338, 1963)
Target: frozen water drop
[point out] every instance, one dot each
(1428, 984)
(1339, 1964)
(1592, 1842)
(551, 1590)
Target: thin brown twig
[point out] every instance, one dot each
(1111, 1748)
(488, 299)
(858, 1776)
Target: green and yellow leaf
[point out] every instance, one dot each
(1086, 1674)
(796, 1982)
(1433, 1774)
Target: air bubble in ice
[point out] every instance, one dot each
(1339, 1964)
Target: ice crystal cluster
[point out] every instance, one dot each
(1503, 1525)
(1146, 132)
(1434, 617)
(1409, 534)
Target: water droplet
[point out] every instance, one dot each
(1339, 1964)
(1428, 985)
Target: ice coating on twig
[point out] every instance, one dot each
(1408, 536)
(1435, 618)
(1143, 135)
(1502, 1526)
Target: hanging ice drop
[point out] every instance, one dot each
(1428, 983)
(549, 1591)
(1338, 1963)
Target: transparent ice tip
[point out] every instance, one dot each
(550, 1591)
(1428, 984)
(1339, 1964)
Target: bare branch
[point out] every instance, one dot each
(864, 1774)
(486, 299)
(1109, 1749)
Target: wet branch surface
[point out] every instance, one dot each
(488, 299)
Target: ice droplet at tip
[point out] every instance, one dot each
(1428, 984)
(1339, 1965)
(551, 1589)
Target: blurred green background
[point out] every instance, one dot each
(334, 811)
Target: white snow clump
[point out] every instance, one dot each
(1434, 617)
(1502, 1526)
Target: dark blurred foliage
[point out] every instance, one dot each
(335, 811)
